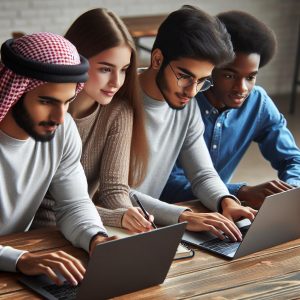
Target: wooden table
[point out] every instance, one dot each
(143, 26)
(269, 274)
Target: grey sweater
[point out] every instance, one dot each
(28, 170)
(171, 134)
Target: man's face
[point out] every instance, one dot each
(233, 83)
(177, 97)
(40, 111)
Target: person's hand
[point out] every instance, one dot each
(134, 220)
(255, 195)
(99, 239)
(215, 223)
(234, 211)
(50, 264)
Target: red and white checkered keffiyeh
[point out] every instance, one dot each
(40, 47)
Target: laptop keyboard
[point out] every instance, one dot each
(63, 292)
(225, 246)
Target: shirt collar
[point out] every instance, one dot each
(208, 109)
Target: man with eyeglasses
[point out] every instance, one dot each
(189, 44)
(185, 79)
(236, 113)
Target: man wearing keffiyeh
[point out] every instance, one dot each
(40, 74)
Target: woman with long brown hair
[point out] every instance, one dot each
(110, 119)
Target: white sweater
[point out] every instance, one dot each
(177, 133)
(28, 170)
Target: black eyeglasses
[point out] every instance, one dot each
(185, 81)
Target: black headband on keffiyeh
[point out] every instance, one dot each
(41, 70)
(36, 59)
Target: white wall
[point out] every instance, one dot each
(57, 15)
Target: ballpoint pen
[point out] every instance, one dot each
(144, 210)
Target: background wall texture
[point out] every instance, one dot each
(57, 15)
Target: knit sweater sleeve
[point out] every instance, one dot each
(111, 217)
(113, 190)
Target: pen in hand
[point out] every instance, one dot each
(144, 211)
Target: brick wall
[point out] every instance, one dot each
(57, 15)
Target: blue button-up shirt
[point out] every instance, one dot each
(228, 135)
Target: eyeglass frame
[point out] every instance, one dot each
(192, 82)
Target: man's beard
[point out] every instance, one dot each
(162, 84)
(24, 120)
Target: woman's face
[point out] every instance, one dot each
(107, 73)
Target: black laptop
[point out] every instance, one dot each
(119, 267)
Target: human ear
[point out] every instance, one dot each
(156, 59)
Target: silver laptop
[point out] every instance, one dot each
(277, 222)
(119, 267)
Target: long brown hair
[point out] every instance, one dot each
(93, 32)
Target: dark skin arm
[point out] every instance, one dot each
(255, 195)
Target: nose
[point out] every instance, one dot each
(58, 113)
(191, 90)
(115, 80)
(241, 86)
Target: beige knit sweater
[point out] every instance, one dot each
(106, 139)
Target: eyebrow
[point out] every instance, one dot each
(191, 74)
(109, 64)
(234, 71)
(53, 99)
(229, 69)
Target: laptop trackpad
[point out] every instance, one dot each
(197, 238)
(243, 223)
